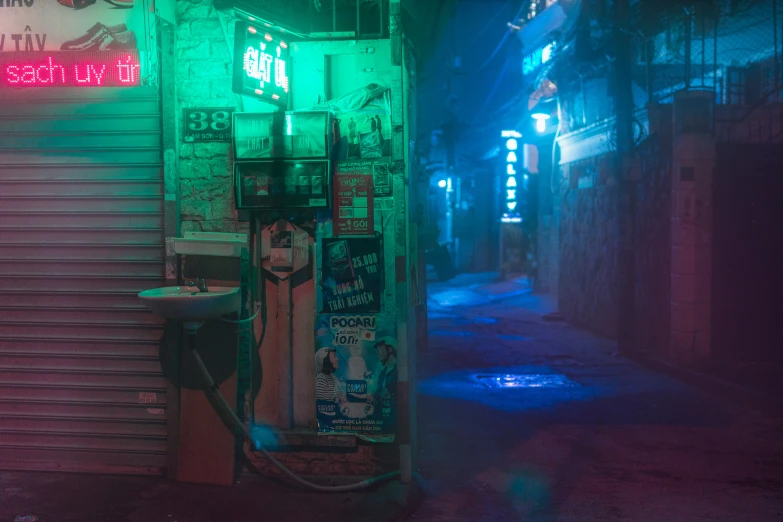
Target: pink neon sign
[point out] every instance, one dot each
(70, 69)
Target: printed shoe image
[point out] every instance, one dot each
(93, 38)
(122, 4)
(125, 41)
(76, 4)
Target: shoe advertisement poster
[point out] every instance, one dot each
(71, 25)
(356, 374)
(351, 275)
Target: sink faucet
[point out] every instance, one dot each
(199, 283)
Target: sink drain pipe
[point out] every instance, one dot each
(214, 392)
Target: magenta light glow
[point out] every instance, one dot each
(70, 69)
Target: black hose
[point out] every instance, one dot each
(214, 392)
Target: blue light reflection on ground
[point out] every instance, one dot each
(459, 298)
(450, 333)
(506, 337)
(460, 333)
(482, 320)
(463, 385)
(441, 315)
(530, 380)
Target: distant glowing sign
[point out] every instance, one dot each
(537, 58)
(261, 64)
(510, 214)
(70, 69)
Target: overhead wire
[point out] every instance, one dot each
(499, 46)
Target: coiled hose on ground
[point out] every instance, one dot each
(214, 392)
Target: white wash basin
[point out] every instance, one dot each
(189, 304)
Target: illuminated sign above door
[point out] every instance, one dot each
(261, 64)
(537, 58)
(70, 69)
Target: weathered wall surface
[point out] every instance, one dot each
(587, 212)
(653, 240)
(204, 80)
(587, 290)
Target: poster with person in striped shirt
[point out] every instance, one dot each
(356, 374)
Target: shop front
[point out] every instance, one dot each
(81, 233)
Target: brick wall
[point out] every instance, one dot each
(204, 80)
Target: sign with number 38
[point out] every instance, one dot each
(207, 124)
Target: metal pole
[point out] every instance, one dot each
(775, 33)
(715, 61)
(626, 191)
(647, 72)
(703, 50)
(687, 50)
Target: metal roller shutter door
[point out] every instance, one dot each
(81, 233)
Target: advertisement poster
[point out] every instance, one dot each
(352, 275)
(354, 213)
(365, 134)
(286, 249)
(356, 374)
(281, 243)
(380, 170)
(72, 25)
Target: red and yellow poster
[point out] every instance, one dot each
(353, 204)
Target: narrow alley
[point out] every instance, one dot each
(581, 433)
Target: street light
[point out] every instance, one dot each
(540, 121)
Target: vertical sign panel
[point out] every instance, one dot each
(354, 212)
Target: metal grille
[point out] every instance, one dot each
(81, 233)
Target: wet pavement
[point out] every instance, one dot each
(71, 497)
(523, 418)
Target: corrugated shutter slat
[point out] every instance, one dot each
(81, 233)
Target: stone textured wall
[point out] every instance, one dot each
(653, 246)
(588, 286)
(204, 80)
(587, 289)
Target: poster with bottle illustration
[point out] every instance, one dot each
(365, 133)
(72, 25)
(356, 374)
(351, 275)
